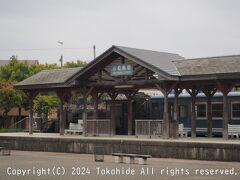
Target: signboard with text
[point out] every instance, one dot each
(122, 70)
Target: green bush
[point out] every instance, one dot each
(2, 130)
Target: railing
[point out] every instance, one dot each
(15, 124)
(96, 127)
(148, 127)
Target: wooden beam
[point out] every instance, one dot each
(113, 96)
(193, 92)
(60, 94)
(177, 92)
(166, 88)
(143, 83)
(31, 95)
(100, 76)
(109, 75)
(146, 74)
(130, 95)
(85, 93)
(209, 93)
(95, 104)
(136, 71)
(64, 95)
(225, 88)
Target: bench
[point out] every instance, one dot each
(234, 131)
(5, 151)
(130, 158)
(182, 131)
(75, 128)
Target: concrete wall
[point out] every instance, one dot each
(160, 149)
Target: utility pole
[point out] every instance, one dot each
(94, 51)
(61, 58)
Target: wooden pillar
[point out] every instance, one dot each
(95, 105)
(63, 95)
(193, 92)
(61, 117)
(31, 95)
(130, 117)
(209, 93)
(30, 113)
(130, 96)
(209, 116)
(177, 91)
(225, 116)
(225, 88)
(166, 89)
(95, 112)
(85, 93)
(84, 115)
(113, 96)
(166, 123)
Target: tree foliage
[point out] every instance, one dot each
(9, 97)
(43, 104)
(72, 64)
(16, 71)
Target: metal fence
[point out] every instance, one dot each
(148, 127)
(96, 127)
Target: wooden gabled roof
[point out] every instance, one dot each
(158, 62)
(167, 66)
(48, 78)
(209, 65)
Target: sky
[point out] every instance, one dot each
(31, 29)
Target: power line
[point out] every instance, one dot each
(45, 49)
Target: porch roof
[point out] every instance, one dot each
(209, 65)
(48, 78)
(170, 66)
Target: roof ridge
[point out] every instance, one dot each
(57, 69)
(116, 46)
(215, 57)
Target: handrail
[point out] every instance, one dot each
(149, 127)
(12, 125)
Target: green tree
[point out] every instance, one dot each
(9, 98)
(43, 105)
(19, 70)
(14, 70)
(36, 68)
(72, 64)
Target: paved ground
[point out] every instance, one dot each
(43, 165)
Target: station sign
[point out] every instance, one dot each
(122, 70)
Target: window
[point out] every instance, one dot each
(201, 110)
(235, 110)
(183, 111)
(155, 110)
(217, 110)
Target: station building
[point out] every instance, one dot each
(123, 70)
